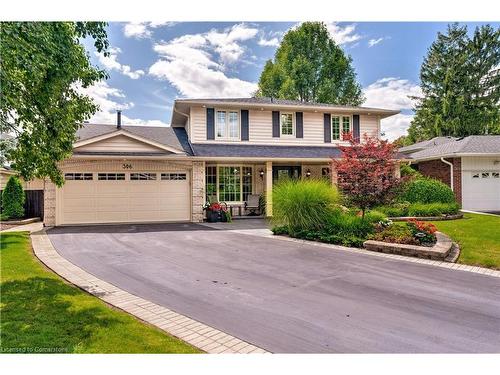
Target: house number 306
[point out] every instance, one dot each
(127, 166)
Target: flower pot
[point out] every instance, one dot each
(213, 216)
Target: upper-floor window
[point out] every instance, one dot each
(335, 128)
(227, 125)
(286, 122)
(341, 126)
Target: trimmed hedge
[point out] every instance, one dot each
(13, 199)
(427, 190)
(432, 209)
(419, 209)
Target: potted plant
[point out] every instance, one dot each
(215, 212)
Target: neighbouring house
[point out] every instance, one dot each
(469, 165)
(215, 150)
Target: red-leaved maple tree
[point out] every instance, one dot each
(366, 172)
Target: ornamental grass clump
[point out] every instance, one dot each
(303, 204)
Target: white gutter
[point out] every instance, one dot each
(451, 172)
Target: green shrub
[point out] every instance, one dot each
(396, 210)
(303, 204)
(13, 199)
(407, 171)
(374, 216)
(432, 209)
(427, 190)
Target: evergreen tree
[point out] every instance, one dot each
(460, 81)
(309, 66)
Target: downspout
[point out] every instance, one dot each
(451, 172)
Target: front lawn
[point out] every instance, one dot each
(42, 313)
(478, 237)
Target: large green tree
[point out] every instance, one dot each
(460, 81)
(42, 67)
(309, 66)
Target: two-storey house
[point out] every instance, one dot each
(215, 149)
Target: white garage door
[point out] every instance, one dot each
(481, 190)
(118, 197)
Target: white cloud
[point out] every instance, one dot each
(141, 30)
(189, 63)
(395, 126)
(343, 34)
(374, 42)
(111, 63)
(391, 93)
(273, 42)
(110, 100)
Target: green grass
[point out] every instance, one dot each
(478, 237)
(40, 310)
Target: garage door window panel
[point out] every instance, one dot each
(143, 176)
(111, 176)
(173, 176)
(78, 176)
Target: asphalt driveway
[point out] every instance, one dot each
(290, 297)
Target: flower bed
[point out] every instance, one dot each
(439, 251)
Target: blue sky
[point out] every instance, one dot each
(151, 64)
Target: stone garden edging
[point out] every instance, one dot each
(20, 222)
(439, 251)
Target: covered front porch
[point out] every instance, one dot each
(246, 187)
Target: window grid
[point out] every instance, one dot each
(78, 176)
(227, 125)
(111, 176)
(211, 183)
(143, 176)
(495, 174)
(335, 128)
(286, 124)
(173, 176)
(230, 184)
(346, 125)
(247, 182)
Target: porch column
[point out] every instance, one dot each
(269, 188)
(197, 191)
(333, 174)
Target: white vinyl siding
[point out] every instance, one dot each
(260, 127)
(119, 143)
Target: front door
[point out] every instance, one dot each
(280, 172)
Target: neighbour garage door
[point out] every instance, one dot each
(481, 190)
(118, 197)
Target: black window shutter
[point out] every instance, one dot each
(355, 128)
(210, 123)
(327, 125)
(299, 123)
(244, 125)
(276, 124)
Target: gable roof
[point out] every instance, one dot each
(473, 144)
(167, 136)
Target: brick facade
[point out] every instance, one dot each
(441, 171)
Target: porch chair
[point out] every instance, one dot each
(252, 204)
